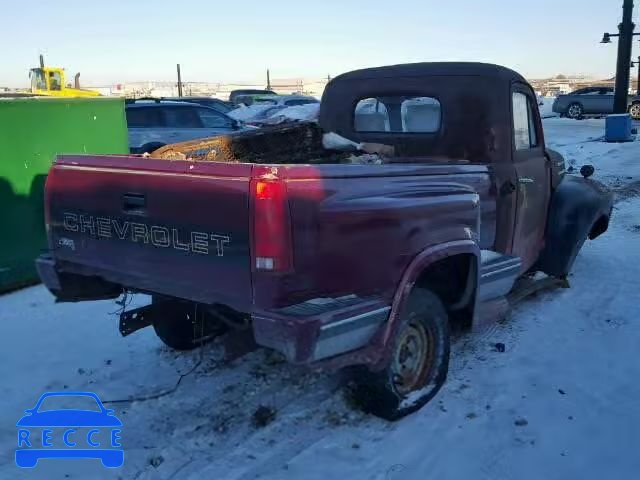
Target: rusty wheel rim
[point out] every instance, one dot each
(412, 357)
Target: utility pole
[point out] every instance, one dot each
(624, 58)
(179, 81)
(268, 80)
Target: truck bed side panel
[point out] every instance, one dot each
(357, 228)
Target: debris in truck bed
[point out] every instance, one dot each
(365, 159)
(290, 142)
(333, 141)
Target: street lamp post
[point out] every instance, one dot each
(633, 65)
(624, 56)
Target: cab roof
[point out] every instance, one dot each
(433, 69)
(474, 103)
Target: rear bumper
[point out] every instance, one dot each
(308, 333)
(46, 267)
(70, 287)
(305, 333)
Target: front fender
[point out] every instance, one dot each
(577, 205)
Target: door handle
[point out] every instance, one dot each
(134, 203)
(525, 180)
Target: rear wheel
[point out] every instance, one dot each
(418, 365)
(184, 325)
(575, 111)
(634, 110)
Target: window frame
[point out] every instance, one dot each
(38, 79)
(160, 116)
(213, 112)
(587, 91)
(58, 78)
(165, 113)
(533, 150)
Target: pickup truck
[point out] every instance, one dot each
(330, 261)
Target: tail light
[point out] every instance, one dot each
(271, 226)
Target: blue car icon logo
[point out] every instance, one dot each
(69, 432)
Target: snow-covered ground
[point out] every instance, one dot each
(562, 402)
(546, 109)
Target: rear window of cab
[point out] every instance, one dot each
(398, 114)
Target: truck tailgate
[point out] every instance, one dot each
(173, 227)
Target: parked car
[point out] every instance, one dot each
(247, 92)
(220, 105)
(332, 264)
(592, 101)
(285, 100)
(216, 103)
(155, 124)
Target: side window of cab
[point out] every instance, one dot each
(524, 124)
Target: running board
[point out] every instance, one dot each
(498, 274)
(501, 287)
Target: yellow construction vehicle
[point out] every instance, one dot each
(50, 81)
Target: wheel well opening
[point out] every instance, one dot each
(453, 280)
(599, 227)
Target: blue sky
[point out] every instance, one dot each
(116, 40)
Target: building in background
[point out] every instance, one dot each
(315, 87)
(287, 86)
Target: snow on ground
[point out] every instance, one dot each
(581, 143)
(546, 109)
(560, 403)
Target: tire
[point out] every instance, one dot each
(180, 326)
(398, 389)
(575, 111)
(634, 110)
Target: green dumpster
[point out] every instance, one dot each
(32, 132)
